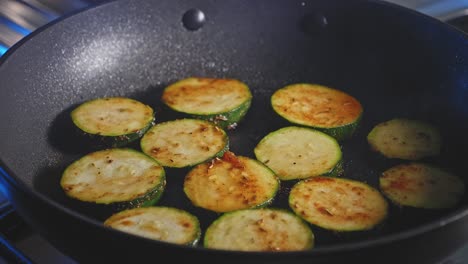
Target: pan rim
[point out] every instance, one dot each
(46, 26)
(5, 174)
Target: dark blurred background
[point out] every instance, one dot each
(18, 18)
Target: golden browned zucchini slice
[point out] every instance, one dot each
(159, 223)
(222, 101)
(326, 109)
(231, 183)
(123, 178)
(259, 230)
(338, 204)
(421, 185)
(300, 152)
(184, 142)
(405, 139)
(114, 120)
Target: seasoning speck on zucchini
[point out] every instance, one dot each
(221, 101)
(421, 185)
(326, 109)
(300, 152)
(159, 223)
(338, 204)
(125, 178)
(115, 120)
(184, 142)
(231, 183)
(259, 230)
(406, 139)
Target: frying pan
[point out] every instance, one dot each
(397, 62)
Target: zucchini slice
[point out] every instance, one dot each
(259, 230)
(338, 204)
(159, 223)
(326, 109)
(184, 142)
(115, 120)
(299, 152)
(124, 178)
(405, 139)
(422, 186)
(222, 101)
(231, 183)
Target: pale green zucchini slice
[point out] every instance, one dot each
(222, 101)
(329, 110)
(231, 183)
(116, 121)
(406, 139)
(299, 153)
(338, 204)
(259, 230)
(184, 142)
(421, 185)
(166, 224)
(121, 177)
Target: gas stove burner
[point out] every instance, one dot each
(18, 18)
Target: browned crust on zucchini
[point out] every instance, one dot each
(231, 183)
(206, 96)
(338, 204)
(421, 185)
(316, 105)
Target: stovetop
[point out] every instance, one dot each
(18, 242)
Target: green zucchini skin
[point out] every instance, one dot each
(184, 142)
(326, 109)
(231, 183)
(337, 171)
(228, 120)
(122, 141)
(421, 185)
(407, 139)
(113, 121)
(338, 204)
(161, 223)
(148, 199)
(119, 178)
(222, 101)
(267, 229)
(300, 152)
(343, 132)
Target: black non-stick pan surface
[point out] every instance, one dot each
(396, 62)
